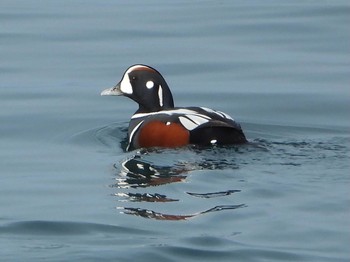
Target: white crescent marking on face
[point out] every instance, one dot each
(125, 85)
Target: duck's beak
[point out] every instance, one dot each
(114, 91)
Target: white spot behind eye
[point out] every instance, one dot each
(213, 141)
(149, 84)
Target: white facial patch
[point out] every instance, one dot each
(149, 84)
(160, 95)
(125, 85)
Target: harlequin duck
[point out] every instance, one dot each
(157, 123)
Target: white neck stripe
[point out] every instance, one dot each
(160, 95)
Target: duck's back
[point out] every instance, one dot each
(181, 126)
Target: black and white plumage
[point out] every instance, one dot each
(158, 123)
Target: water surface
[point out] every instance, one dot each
(68, 189)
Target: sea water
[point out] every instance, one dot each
(70, 192)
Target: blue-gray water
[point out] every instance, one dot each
(281, 69)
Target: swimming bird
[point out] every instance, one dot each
(158, 123)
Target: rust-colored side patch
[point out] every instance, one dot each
(157, 133)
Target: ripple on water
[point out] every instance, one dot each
(64, 228)
(159, 175)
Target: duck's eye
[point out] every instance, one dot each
(133, 78)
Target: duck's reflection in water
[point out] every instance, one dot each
(146, 213)
(136, 173)
(145, 197)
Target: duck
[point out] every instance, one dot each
(158, 123)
